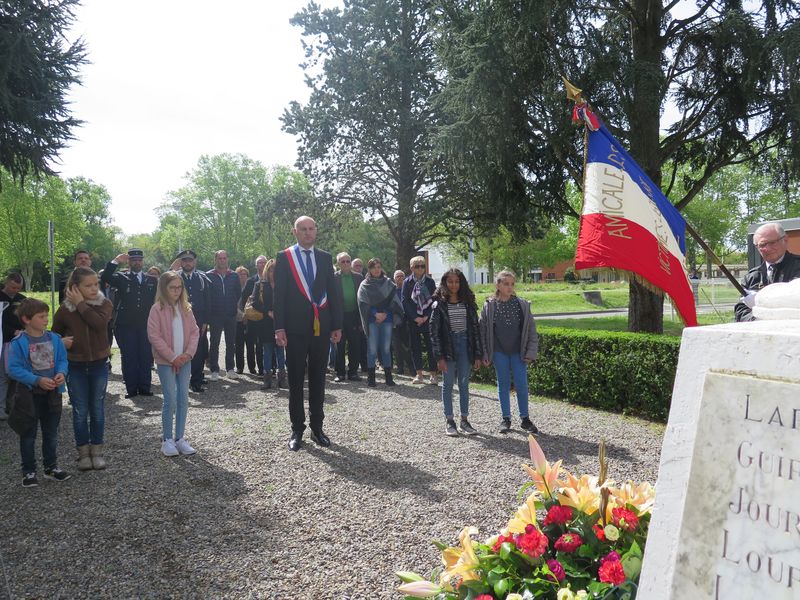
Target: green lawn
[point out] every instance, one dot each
(566, 300)
(620, 323)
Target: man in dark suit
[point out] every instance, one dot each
(308, 316)
(135, 294)
(349, 281)
(778, 265)
(198, 288)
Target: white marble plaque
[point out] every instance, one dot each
(740, 532)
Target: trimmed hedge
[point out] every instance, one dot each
(630, 373)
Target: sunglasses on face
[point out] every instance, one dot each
(419, 266)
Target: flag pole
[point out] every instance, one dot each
(716, 259)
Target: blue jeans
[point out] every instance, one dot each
(48, 420)
(507, 366)
(87, 383)
(175, 389)
(380, 340)
(280, 356)
(217, 328)
(460, 367)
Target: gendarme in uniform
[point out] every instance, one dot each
(135, 293)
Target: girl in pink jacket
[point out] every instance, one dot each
(173, 334)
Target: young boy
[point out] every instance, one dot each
(37, 360)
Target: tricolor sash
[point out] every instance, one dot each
(298, 269)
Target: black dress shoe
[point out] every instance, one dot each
(339, 379)
(354, 377)
(319, 438)
(295, 441)
(145, 393)
(196, 387)
(130, 395)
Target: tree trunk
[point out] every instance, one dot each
(645, 309)
(407, 229)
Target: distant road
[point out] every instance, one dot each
(701, 309)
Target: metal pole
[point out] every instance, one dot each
(51, 241)
(471, 261)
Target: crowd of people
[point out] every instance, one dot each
(294, 318)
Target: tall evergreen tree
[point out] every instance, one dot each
(365, 133)
(730, 68)
(37, 67)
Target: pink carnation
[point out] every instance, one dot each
(557, 570)
(533, 542)
(624, 519)
(611, 571)
(610, 556)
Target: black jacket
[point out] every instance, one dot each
(11, 322)
(226, 292)
(442, 341)
(293, 310)
(132, 299)
(756, 279)
(198, 288)
(263, 300)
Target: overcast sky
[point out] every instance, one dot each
(172, 80)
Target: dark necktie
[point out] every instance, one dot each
(309, 268)
(771, 274)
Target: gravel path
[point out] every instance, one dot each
(246, 518)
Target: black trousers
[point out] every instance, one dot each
(401, 352)
(306, 351)
(228, 327)
(199, 358)
(246, 338)
(137, 357)
(414, 333)
(351, 335)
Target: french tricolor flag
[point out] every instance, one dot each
(628, 224)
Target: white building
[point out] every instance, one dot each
(441, 258)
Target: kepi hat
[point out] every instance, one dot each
(135, 253)
(186, 254)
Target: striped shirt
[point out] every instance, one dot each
(458, 317)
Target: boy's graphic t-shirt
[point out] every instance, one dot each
(42, 355)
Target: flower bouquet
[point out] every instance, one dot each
(573, 539)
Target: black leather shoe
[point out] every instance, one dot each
(354, 377)
(296, 441)
(319, 438)
(196, 387)
(130, 395)
(145, 393)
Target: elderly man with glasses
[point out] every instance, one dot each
(417, 293)
(778, 265)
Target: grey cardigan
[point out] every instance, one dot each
(529, 345)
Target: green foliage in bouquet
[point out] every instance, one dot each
(573, 539)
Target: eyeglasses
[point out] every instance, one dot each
(344, 262)
(175, 288)
(419, 266)
(768, 244)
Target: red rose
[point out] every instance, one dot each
(611, 571)
(568, 542)
(557, 570)
(501, 540)
(533, 542)
(624, 519)
(558, 515)
(598, 531)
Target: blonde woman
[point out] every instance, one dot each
(173, 334)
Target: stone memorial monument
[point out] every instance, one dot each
(726, 523)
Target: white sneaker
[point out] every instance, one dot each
(183, 447)
(168, 448)
(233, 374)
(214, 376)
(418, 379)
(433, 380)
